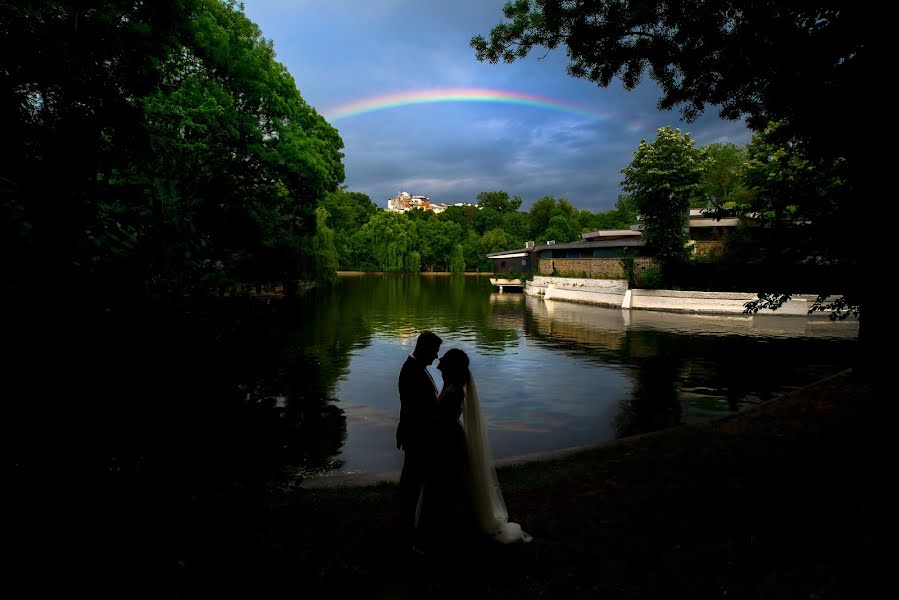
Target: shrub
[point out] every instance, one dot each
(650, 278)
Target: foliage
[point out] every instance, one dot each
(488, 218)
(756, 59)
(802, 201)
(517, 225)
(437, 241)
(723, 176)
(621, 217)
(559, 230)
(649, 278)
(151, 144)
(391, 238)
(541, 212)
(662, 179)
(348, 212)
(499, 201)
(626, 257)
(456, 261)
(495, 240)
(323, 249)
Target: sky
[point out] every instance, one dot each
(569, 138)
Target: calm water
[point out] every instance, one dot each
(550, 374)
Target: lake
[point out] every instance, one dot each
(550, 374)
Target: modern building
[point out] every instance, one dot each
(599, 253)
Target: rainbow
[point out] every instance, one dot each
(387, 101)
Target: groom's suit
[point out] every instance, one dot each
(418, 402)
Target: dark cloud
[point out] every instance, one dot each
(346, 51)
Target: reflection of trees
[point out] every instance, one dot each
(401, 305)
(654, 402)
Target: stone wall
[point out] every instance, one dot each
(598, 268)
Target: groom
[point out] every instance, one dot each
(418, 401)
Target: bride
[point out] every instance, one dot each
(461, 495)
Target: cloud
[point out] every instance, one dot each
(345, 51)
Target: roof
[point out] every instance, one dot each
(614, 243)
(510, 253)
(611, 233)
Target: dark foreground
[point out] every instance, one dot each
(796, 499)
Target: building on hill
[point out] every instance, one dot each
(404, 202)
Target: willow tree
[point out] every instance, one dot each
(392, 239)
(813, 66)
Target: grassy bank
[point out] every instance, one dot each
(794, 499)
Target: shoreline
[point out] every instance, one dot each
(358, 480)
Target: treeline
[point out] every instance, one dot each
(369, 238)
(154, 146)
(769, 180)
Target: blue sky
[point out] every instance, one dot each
(343, 51)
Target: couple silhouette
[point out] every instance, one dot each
(449, 493)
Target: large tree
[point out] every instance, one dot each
(148, 144)
(662, 180)
(812, 65)
(723, 176)
(348, 212)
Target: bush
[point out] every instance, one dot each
(650, 278)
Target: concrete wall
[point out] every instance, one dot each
(615, 293)
(706, 302)
(605, 292)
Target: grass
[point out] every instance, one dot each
(794, 499)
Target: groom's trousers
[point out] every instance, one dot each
(411, 481)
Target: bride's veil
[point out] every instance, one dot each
(488, 498)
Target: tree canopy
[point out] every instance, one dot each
(156, 144)
(663, 179)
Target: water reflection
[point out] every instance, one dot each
(551, 374)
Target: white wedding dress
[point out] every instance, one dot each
(490, 508)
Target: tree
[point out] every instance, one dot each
(495, 240)
(801, 203)
(237, 152)
(621, 217)
(517, 225)
(438, 239)
(148, 143)
(456, 261)
(499, 201)
(458, 215)
(723, 176)
(488, 218)
(348, 212)
(800, 63)
(541, 212)
(559, 231)
(325, 252)
(473, 252)
(68, 96)
(662, 179)
(392, 239)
